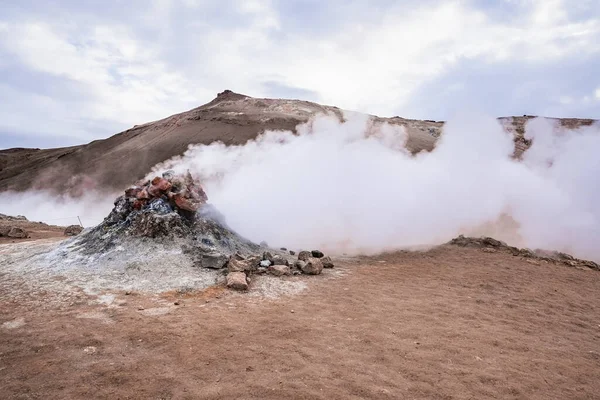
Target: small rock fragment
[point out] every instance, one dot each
(18, 233)
(292, 253)
(238, 263)
(327, 263)
(73, 230)
(279, 270)
(317, 253)
(265, 263)
(268, 256)
(212, 260)
(279, 260)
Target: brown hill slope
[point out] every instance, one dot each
(232, 118)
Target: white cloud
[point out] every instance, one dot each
(372, 64)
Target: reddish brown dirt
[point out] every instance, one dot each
(451, 323)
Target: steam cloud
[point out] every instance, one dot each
(58, 210)
(350, 187)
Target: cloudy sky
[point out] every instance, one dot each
(72, 71)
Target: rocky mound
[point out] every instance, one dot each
(163, 235)
(491, 245)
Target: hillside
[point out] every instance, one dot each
(232, 118)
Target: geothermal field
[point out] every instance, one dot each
(268, 248)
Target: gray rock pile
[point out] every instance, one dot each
(492, 245)
(172, 212)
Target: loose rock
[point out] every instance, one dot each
(317, 254)
(73, 230)
(313, 266)
(279, 270)
(279, 260)
(237, 281)
(327, 263)
(304, 255)
(17, 233)
(212, 260)
(238, 263)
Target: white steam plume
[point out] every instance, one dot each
(350, 187)
(57, 210)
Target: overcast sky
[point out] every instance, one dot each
(72, 71)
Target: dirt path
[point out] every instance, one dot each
(451, 323)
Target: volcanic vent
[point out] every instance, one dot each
(162, 234)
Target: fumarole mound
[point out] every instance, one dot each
(163, 235)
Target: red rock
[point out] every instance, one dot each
(237, 281)
(138, 204)
(185, 204)
(143, 195)
(158, 187)
(133, 191)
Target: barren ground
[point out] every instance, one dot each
(450, 323)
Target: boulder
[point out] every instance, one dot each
(279, 260)
(17, 233)
(73, 230)
(327, 263)
(4, 230)
(304, 255)
(313, 266)
(317, 253)
(237, 281)
(212, 260)
(280, 270)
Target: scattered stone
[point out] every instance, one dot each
(490, 245)
(4, 217)
(279, 260)
(17, 233)
(261, 270)
(263, 244)
(265, 263)
(73, 230)
(304, 255)
(279, 270)
(238, 263)
(313, 266)
(283, 249)
(177, 303)
(317, 254)
(212, 260)
(237, 281)
(292, 253)
(327, 262)
(268, 256)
